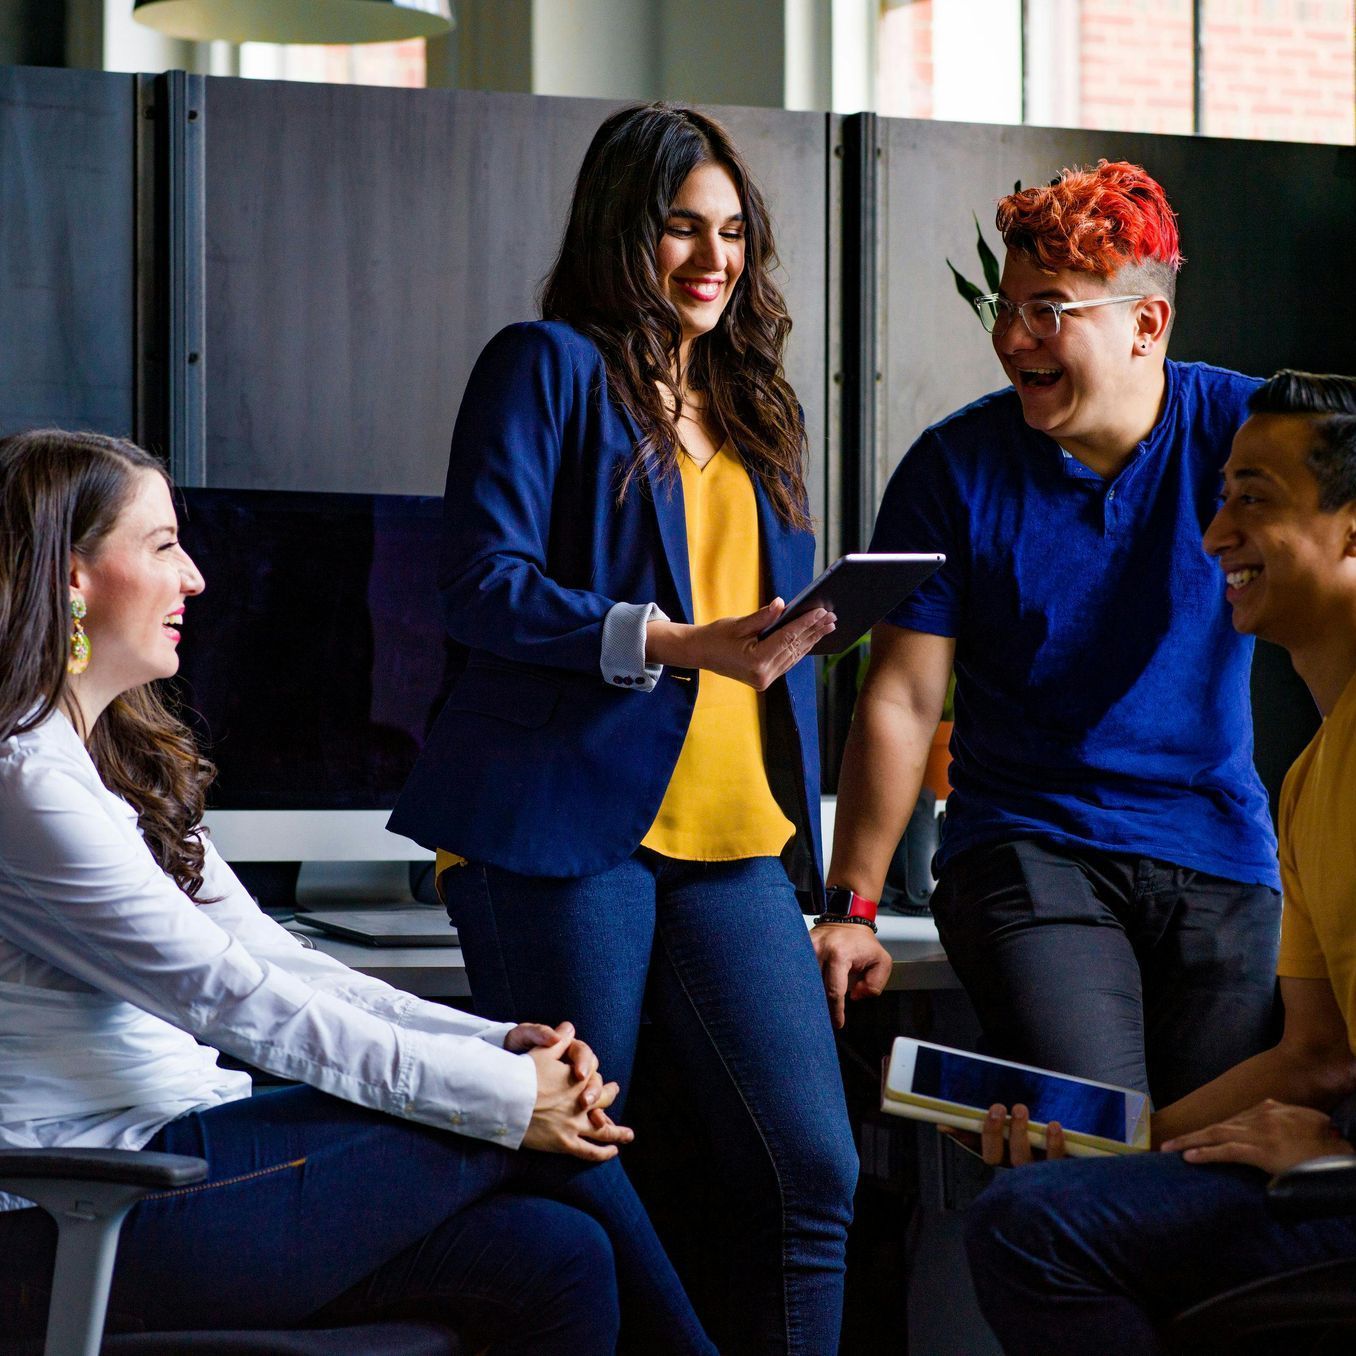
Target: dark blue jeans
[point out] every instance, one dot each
(318, 1212)
(1110, 966)
(1094, 1256)
(717, 954)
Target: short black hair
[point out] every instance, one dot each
(1330, 401)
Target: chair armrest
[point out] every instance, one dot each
(1322, 1186)
(133, 1167)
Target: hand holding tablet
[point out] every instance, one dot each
(859, 589)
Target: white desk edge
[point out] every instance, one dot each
(438, 972)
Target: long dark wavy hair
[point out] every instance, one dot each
(60, 494)
(605, 283)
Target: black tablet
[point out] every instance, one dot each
(859, 590)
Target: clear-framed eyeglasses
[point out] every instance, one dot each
(1041, 318)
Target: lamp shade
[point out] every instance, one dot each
(329, 21)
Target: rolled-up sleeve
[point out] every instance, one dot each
(623, 658)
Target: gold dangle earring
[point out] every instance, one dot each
(78, 659)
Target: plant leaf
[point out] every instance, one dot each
(987, 260)
(964, 286)
(861, 647)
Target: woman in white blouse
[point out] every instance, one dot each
(130, 954)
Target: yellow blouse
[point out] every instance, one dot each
(719, 805)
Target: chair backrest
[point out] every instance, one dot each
(88, 1192)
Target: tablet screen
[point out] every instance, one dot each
(952, 1076)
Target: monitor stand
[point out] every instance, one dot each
(346, 856)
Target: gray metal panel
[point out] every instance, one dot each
(364, 244)
(66, 249)
(170, 232)
(1266, 229)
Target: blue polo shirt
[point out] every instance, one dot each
(1102, 694)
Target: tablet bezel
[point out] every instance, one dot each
(855, 621)
(898, 1098)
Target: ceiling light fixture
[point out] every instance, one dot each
(325, 21)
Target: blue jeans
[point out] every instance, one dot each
(717, 955)
(1092, 1256)
(318, 1212)
(1111, 966)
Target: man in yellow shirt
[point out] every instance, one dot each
(1095, 1256)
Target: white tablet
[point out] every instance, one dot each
(954, 1087)
(859, 590)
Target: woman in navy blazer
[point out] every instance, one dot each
(578, 481)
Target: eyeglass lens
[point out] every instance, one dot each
(1040, 317)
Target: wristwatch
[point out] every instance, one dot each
(842, 905)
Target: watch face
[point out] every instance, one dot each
(837, 899)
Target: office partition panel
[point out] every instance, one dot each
(66, 249)
(362, 245)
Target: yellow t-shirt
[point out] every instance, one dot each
(1318, 860)
(719, 806)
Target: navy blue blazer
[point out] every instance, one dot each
(535, 763)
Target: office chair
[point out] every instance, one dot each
(1314, 1306)
(89, 1192)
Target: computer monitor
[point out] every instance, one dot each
(312, 666)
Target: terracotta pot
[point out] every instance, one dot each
(936, 774)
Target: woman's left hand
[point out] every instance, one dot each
(730, 646)
(578, 1055)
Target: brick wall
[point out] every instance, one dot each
(1282, 70)
(1135, 67)
(1279, 69)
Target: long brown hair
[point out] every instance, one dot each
(61, 494)
(605, 283)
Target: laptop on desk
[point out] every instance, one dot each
(384, 925)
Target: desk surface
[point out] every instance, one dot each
(439, 971)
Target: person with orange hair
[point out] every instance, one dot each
(1107, 887)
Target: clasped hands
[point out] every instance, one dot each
(570, 1115)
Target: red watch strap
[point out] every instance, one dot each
(861, 907)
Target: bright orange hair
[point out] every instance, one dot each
(1092, 221)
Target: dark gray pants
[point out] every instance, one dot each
(1111, 966)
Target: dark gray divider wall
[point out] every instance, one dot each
(1266, 229)
(364, 244)
(66, 249)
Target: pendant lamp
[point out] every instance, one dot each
(327, 21)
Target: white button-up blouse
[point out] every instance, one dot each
(117, 990)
